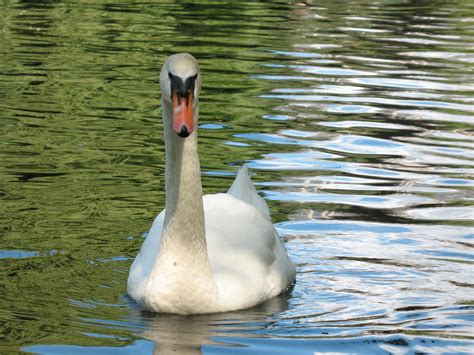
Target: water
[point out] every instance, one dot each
(356, 119)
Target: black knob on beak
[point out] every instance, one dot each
(184, 132)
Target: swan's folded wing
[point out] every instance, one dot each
(243, 189)
(143, 264)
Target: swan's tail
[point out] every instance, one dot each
(243, 189)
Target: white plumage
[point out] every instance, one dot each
(206, 254)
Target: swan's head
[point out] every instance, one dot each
(180, 82)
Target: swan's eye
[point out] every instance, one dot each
(182, 88)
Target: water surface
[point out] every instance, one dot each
(356, 119)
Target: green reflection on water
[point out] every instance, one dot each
(82, 164)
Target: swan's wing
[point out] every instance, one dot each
(249, 262)
(143, 263)
(244, 190)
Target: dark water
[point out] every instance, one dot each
(356, 119)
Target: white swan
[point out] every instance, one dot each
(208, 254)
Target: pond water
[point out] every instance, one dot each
(355, 117)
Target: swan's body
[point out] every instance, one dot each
(206, 254)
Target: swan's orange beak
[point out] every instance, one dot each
(183, 114)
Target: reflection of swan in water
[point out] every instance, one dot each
(178, 334)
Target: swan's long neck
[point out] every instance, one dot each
(183, 237)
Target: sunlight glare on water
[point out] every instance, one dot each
(355, 118)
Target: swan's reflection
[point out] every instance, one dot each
(175, 334)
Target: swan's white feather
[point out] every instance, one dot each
(248, 261)
(244, 190)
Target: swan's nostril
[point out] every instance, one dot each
(183, 132)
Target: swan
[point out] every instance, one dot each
(204, 254)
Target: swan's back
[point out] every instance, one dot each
(243, 189)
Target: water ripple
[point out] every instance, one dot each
(357, 124)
